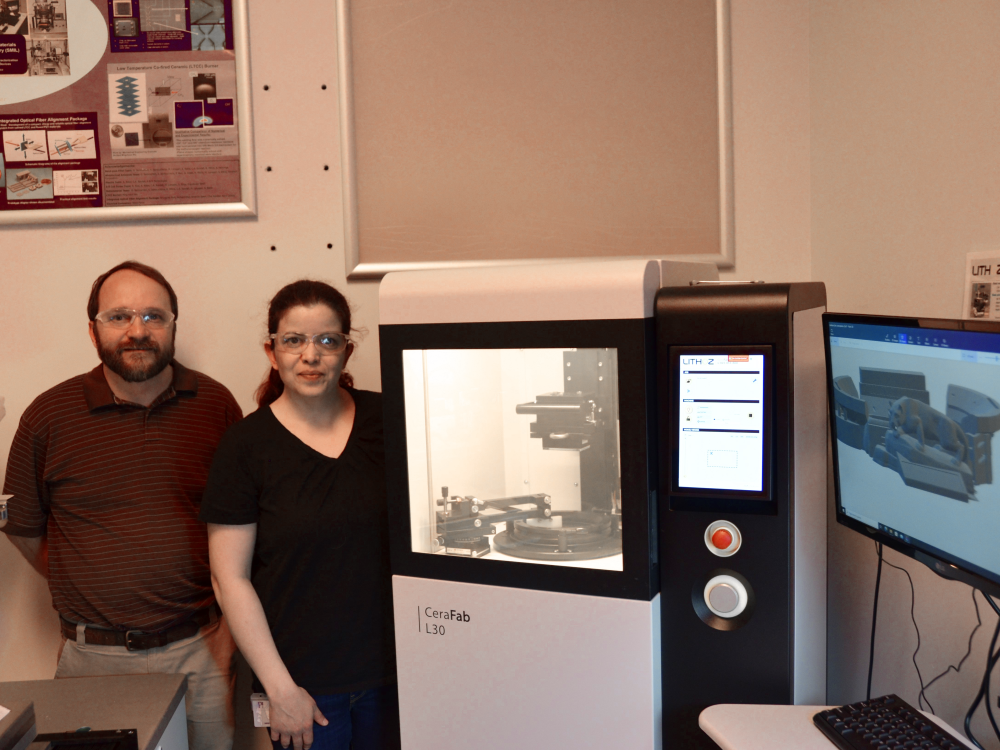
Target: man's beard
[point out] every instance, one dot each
(114, 359)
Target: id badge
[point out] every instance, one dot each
(261, 707)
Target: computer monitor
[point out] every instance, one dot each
(913, 406)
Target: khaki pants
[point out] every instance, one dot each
(206, 659)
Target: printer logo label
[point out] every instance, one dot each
(433, 621)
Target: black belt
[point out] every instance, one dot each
(138, 640)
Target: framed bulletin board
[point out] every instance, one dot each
(124, 109)
(477, 133)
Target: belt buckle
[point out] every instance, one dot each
(128, 640)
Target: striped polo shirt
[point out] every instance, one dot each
(117, 488)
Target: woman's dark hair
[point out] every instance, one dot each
(129, 265)
(306, 293)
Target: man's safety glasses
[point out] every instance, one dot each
(122, 317)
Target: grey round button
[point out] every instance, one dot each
(723, 598)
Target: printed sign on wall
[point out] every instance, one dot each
(142, 107)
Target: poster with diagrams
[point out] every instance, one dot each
(71, 145)
(127, 96)
(24, 145)
(51, 161)
(174, 25)
(184, 110)
(163, 131)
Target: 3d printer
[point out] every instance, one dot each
(582, 419)
(519, 441)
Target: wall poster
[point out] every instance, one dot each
(124, 109)
(982, 285)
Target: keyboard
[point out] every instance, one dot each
(885, 723)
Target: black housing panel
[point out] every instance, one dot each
(636, 390)
(702, 665)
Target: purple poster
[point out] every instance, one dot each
(170, 25)
(13, 55)
(118, 103)
(50, 161)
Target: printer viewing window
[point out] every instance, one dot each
(513, 454)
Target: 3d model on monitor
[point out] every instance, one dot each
(893, 421)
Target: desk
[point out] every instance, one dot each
(152, 704)
(749, 727)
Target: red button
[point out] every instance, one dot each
(722, 538)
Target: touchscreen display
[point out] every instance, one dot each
(721, 422)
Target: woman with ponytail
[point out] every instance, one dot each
(298, 542)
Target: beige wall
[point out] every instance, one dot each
(904, 112)
(770, 54)
(863, 159)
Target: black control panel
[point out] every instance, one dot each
(726, 467)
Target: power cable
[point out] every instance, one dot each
(968, 651)
(992, 654)
(871, 649)
(991, 660)
(913, 618)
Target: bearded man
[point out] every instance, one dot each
(107, 471)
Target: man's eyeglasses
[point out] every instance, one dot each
(122, 317)
(296, 343)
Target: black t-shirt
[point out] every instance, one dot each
(321, 561)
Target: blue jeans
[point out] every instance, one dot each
(365, 720)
